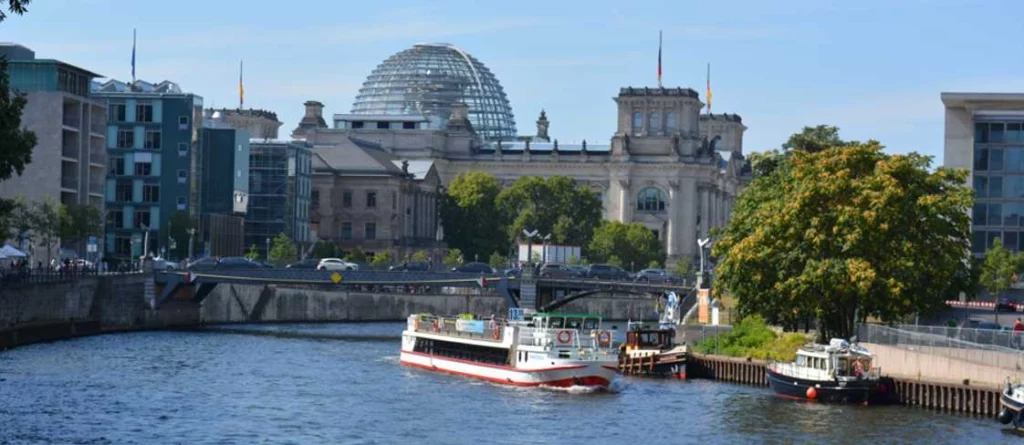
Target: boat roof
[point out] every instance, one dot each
(836, 346)
(558, 314)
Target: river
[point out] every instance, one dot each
(347, 387)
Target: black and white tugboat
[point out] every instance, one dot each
(838, 372)
(1012, 400)
(651, 351)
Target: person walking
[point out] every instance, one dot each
(1018, 329)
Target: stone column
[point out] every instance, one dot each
(624, 201)
(674, 215)
(686, 215)
(705, 210)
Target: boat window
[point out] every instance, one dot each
(555, 322)
(573, 323)
(590, 323)
(801, 360)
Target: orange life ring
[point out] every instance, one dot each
(564, 336)
(604, 339)
(497, 331)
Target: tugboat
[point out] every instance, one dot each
(545, 349)
(651, 352)
(1012, 400)
(838, 372)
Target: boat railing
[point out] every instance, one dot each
(487, 330)
(577, 338)
(803, 372)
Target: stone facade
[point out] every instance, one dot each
(261, 124)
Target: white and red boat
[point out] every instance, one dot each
(547, 349)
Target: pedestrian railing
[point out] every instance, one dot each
(994, 348)
(1002, 338)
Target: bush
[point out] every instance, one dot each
(753, 338)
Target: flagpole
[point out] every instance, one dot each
(659, 59)
(241, 88)
(133, 55)
(709, 87)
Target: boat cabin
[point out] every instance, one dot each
(581, 322)
(650, 339)
(838, 358)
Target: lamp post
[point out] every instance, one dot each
(529, 245)
(267, 256)
(544, 248)
(191, 236)
(145, 241)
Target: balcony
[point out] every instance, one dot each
(70, 145)
(69, 182)
(72, 115)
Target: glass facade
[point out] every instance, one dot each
(427, 79)
(280, 183)
(998, 184)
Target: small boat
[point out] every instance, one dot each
(543, 349)
(1012, 400)
(838, 372)
(651, 351)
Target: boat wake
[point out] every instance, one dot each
(580, 389)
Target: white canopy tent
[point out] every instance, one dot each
(8, 251)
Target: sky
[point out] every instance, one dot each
(875, 69)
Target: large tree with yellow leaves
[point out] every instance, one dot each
(845, 231)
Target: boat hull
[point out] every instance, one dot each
(857, 392)
(590, 373)
(665, 367)
(1011, 412)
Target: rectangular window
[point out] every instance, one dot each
(143, 169)
(346, 230)
(408, 125)
(150, 193)
(1013, 132)
(995, 214)
(116, 166)
(1014, 159)
(990, 239)
(371, 200)
(125, 138)
(980, 186)
(183, 122)
(995, 133)
(978, 241)
(371, 230)
(143, 113)
(995, 160)
(115, 112)
(182, 176)
(122, 245)
(314, 199)
(182, 149)
(1011, 214)
(394, 200)
(123, 192)
(978, 215)
(346, 199)
(152, 140)
(357, 124)
(115, 219)
(1010, 240)
(995, 187)
(182, 203)
(141, 219)
(383, 125)
(980, 133)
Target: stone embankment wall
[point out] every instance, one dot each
(980, 368)
(255, 303)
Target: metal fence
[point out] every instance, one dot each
(987, 337)
(693, 334)
(14, 278)
(999, 348)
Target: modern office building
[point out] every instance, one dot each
(223, 159)
(984, 134)
(152, 135)
(69, 160)
(279, 193)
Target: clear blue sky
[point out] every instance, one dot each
(873, 68)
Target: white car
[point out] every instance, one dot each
(336, 264)
(163, 264)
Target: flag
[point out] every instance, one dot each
(659, 59)
(241, 89)
(709, 88)
(133, 56)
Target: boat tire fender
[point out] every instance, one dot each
(604, 339)
(564, 336)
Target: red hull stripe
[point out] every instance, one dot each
(505, 367)
(587, 381)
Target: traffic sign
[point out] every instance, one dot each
(336, 277)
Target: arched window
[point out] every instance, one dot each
(671, 123)
(650, 200)
(654, 123)
(638, 122)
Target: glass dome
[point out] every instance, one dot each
(428, 79)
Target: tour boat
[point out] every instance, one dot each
(1012, 400)
(545, 349)
(651, 351)
(838, 372)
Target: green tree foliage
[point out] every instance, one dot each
(16, 142)
(753, 338)
(816, 139)
(557, 205)
(470, 217)
(626, 245)
(998, 269)
(846, 231)
(253, 253)
(682, 268)
(324, 249)
(19, 222)
(15, 6)
(46, 217)
(381, 259)
(178, 226)
(356, 256)
(497, 261)
(79, 222)
(282, 250)
(420, 256)
(453, 258)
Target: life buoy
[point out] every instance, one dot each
(604, 339)
(564, 336)
(497, 331)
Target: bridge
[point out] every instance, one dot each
(526, 291)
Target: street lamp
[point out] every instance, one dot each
(544, 248)
(191, 235)
(267, 256)
(529, 245)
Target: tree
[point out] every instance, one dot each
(381, 259)
(177, 228)
(472, 223)
(253, 253)
(420, 256)
(46, 217)
(324, 249)
(453, 258)
(356, 255)
(16, 142)
(79, 222)
(19, 222)
(998, 270)
(846, 232)
(497, 260)
(683, 267)
(282, 250)
(632, 245)
(15, 6)
(816, 139)
(557, 205)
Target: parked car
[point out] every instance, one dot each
(580, 270)
(163, 264)
(553, 270)
(418, 266)
(606, 272)
(202, 264)
(513, 272)
(656, 276)
(336, 264)
(481, 268)
(1006, 304)
(238, 262)
(308, 263)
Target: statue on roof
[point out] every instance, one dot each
(542, 126)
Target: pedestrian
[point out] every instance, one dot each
(1018, 329)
